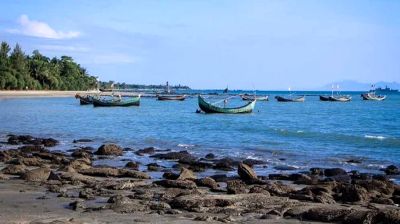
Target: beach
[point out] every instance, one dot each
(41, 184)
(40, 93)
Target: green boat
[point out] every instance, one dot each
(210, 108)
(132, 101)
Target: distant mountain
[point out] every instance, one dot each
(350, 85)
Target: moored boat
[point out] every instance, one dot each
(373, 96)
(251, 98)
(131, 101)
(84, 100)
(324, 98)
(171, 97)
(340, 98)
(211, 108)
(290, 98)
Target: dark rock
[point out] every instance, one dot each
(300, 178)
(220, 177)
(351, 193)
(360, 217)
(235, 187)
(225, 164)
(286, 167)
(110, 149)
(132, 165)
(326, 214)
(383, 201)
(54, 176)
(392, 170)
(159, 206)
(148, 150)
(49, 142)
(207, 182)
(85, 152)
(210, 156)
(153, 167)
(36, 175)
(389, 216)
(31, 148)
(258, 189)
(353, 161)
(334, 172)
(170, 176)
(340, 178)
(174, 155)
(83, 140)
(28, 161)
(184, 184)
(316, 171)
(76, 205)
(86, 194)
(113, 172)
(246, 173)
(278, 189)
(278, 176)
(252, 162)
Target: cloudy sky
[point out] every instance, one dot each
(211, 44)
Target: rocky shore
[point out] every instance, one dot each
(42, 185)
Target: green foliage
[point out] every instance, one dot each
(37, 72)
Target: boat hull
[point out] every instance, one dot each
(84, 100)
(209, 108)
(324, 98)
(369, 96)
(296, 99)
(134, 101)
(335, 98)
(171, 98)
(251, 98)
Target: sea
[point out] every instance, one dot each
(290, 137)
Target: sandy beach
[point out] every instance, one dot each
(40, 93)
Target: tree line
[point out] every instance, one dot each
(38, 72)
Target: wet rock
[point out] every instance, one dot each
(82, 140)
(246, 173)
(220, 177)
(286, 167)
(79, 165)
(4, 157)
(109, 149)
(351, 193)
(36, 175)
(174, 155)
(225, 164)
(326, 214)
(339, 178)
(186, 175)
(56, 158)
(132, 165)
(353, 161)
(207, 182)
(184, 184)
(153, 167)
(210, 156)
(252, 162)
(159, 206)
(49, 142)
(278, 189)
(113, 172)
(148, 150)
(392, 170)
(196, 202)
(389, 216)
(300, 178)
(82, 153)
(31, 148)
(279, 176)
(170, 176)
(360, 217)
(383, 187)
(316, 171)
(235, 187)
(14, 169)
(334, 172)
(195, 165)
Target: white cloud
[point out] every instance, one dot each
(63, 48)
(40, 29)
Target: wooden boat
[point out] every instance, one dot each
(338, 98)
(171, 97)
(210, 108)
(251, 98)
(84, 100)
(290, 99)
(132, 101)
(373, 96)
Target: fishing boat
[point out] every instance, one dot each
(117, 102)
(212, 108)
(324, 98)
(171, 97)
(84, 100)
(290, 98)
(372, 96)
(247, 97)
(340, 98)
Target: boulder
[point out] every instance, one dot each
(148, 150)
(184, 184)
(82, 140)
(246, 173)
(110, 149)
(316, 171)
(252, 162)
(334, 172)
(174, 155)
(210, 156)
(351, 193)
(235, 187)
(225, 164)
(207, 182)
(37, 175)
(186, 174)
(392, 170)
(14, 169)
(132, 165)
(113, 172)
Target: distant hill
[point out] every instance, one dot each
(350, 85)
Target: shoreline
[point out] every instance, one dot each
(75, 184)
(39, 93)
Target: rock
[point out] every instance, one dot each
(14, 169)
(334, 172)
(210, 156)
(252, 162)
(196, 202)
(392, 170)
(123, 204)
(246, 173)
(174, 155)
(360, 217)
(279, 176)
(326, 214)
(31, 148)
(235, 187)
(220, 177)
(153, 167)
(148, 150)
(383, 201)
(225, 164)
(207, 182)
(286, 167)
(76, 205)
(49, 142)
(351, 193)
(76, 177)
(83, 153)
(170, 176)
(258, 189)
(82, 140)
(278, 189)
(184, 184)
(113, 172)
(37, 175)
(54, 176)
(389, 216)
(110, 149)
(186, 175)
(86, 194)
(353, 161)
(300, 178)
(159, 206)
(3, 177)
(28, 161)
(80, 164)
(339, 178)
(316, 171)
(132, 165)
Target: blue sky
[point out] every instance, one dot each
(211, 44)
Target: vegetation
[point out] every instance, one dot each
(37, 72)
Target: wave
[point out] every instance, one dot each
(185, 145)
(375, 137)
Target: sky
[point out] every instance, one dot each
(211, 44)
